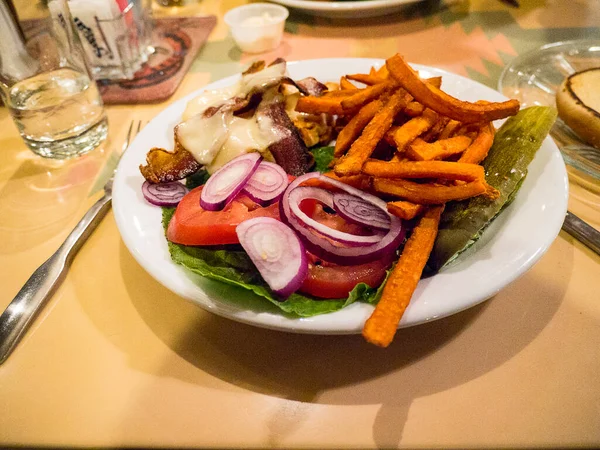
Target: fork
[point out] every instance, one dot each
(21, 312)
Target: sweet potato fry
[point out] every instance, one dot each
(434, 132)
(351, 163)
(429, 194)
(346, 85)
(382, 72)
(324, 104)
(368, 79)
(434, 81)
(381, 327)
(360, 181)
(420, 150)
(409, 131)
(443, 103)
(478, 150)
(445, 170)
(414, 109)
(355, 126)
(341, 93)
(450, 129)
(364, 96)
(405, 210)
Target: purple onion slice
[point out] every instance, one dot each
(361, 212)
(297, 195)
(276, 252)
(267, 183)
(342, 255)
(164, 194)
(223, 186)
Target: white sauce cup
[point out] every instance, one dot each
(257, 27)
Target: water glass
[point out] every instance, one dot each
(46, 85)
(116, 35)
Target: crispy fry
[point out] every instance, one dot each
(445, 170)
(450, 129)
(368, 79)
(443, 103)
(360, 181)
(434, 132)
(324, 104)
(351, 163)
(420, 150)
(434, 81)
(381, 327)
(346, 85)
(405, 210)
(408, 132)
(481, 145)
(364, 96)
(382, 72)
(355, 126)
(429, 194)
(414, 109)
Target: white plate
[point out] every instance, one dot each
(347, 9)
(508, 248)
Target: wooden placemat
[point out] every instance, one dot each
(177, 42)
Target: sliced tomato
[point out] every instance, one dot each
(193, 225)
(328, 280)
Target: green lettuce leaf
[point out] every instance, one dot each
(232, 265)
(323, 157)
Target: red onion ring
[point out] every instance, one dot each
(222, 187)
(361, 212)
(323, 248)
(277, 253)
(267, 184)
(164, 194)
(298, 194)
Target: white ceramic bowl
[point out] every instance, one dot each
(257, 27)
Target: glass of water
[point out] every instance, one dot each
(46, 85)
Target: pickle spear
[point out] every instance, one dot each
(515, 145)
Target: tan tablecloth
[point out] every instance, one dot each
(115, 359)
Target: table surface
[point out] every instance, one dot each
(115, 359)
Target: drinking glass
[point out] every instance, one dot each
(116, 35)
(46, 85)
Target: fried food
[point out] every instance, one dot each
(355, 127)
(478, 150)
(405, 134)
(429, 193)
(381, 327)
(351, 163)
(405, 210)
(444, 170)
(420, 150)
(163, 166)
(443, 103)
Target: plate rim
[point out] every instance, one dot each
(306, 325)
(336, 9)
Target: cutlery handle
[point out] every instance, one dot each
(20, 313)
(582, 231)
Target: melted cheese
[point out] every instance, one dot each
(245, 136)
(248, 82)
(216, 140)
(204, 136)
(209, 98)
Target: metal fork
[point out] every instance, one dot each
(19, 315)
